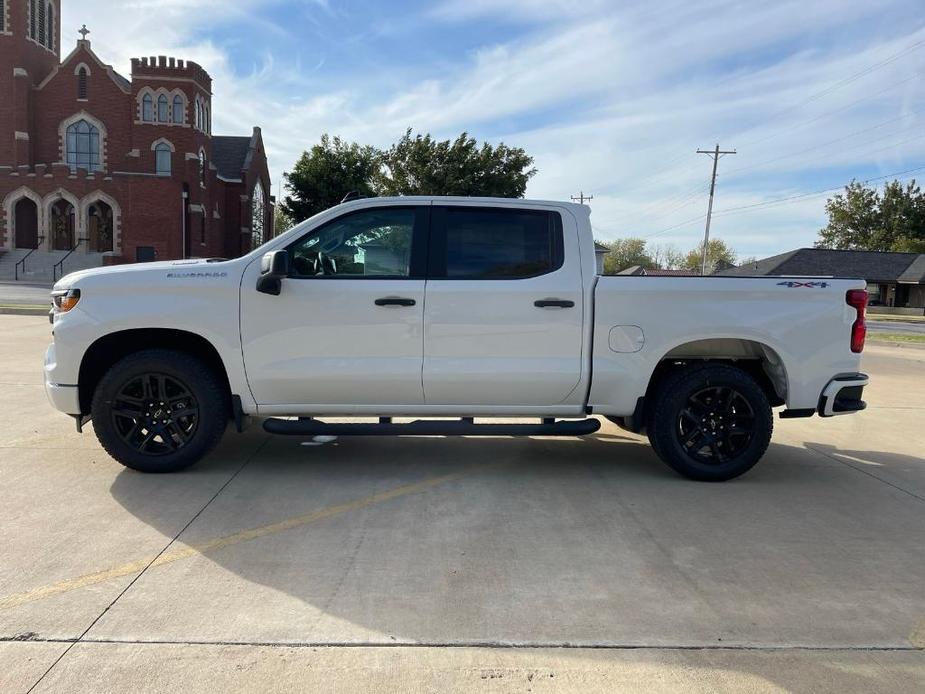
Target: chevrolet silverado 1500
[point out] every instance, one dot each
(448, 309)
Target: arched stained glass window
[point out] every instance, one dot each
(178, 109)
(83, 146)
(258, 215)
(162, 157)
(50, 41)
(147, 108)
(162, 109)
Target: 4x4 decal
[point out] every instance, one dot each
(792, 284)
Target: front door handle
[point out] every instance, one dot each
(394, 301)
(553, 303)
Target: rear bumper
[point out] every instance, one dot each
(843, 395)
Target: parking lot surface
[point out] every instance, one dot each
(453, 564)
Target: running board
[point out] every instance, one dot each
(429, 427)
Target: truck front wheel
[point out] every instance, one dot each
(159, 410)
(710, 422)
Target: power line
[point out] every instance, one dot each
(776, 201)
(581, 197)
(831, 142)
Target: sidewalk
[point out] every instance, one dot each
(24, 298)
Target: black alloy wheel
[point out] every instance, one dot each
(709, 421)
(160, 410)
(155, 413)
(717, 424)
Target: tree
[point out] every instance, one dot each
(862, 218)
(718, 252)
(421, 165)
(666, 257)
(625, 253)
(325, 174)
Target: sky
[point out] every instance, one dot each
(610, 98)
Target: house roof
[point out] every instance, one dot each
(655, 272)
(229, 154)
(873, 266)
(915, 273)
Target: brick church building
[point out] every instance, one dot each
(100, 169)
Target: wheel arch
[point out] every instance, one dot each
(757, 358)
(110, 348)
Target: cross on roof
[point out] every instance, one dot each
(83, 32)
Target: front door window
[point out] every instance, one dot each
(372, 243)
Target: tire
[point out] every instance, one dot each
(159, 410)
(710, 422)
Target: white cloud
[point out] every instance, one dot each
(609, 98)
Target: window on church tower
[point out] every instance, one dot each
(50, 42)
(82, 83)
(147, 108)
(162, 105)
(202, 168)
(83, 146)
(32, 18)
(41, 30)
(162, 159)
(178, 109)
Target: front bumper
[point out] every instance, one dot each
(843, 394)
(63, 397)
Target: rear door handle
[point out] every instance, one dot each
(553, 303)
(394, 301)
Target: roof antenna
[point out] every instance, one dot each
(352, 195)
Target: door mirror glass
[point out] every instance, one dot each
(274, 266)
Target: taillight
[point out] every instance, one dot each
(857, 298)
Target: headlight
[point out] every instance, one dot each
(65, 299)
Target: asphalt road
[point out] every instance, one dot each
(443, 565)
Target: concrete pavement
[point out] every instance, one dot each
(487, 564)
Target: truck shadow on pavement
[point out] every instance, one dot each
(497, 541)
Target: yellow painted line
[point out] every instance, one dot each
(134, 567)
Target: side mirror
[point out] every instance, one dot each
(274, 266)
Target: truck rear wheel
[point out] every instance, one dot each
(710, 422)
(159, 410)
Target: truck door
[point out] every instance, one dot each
(503, 312)
(347, 326)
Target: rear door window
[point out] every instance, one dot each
(494, 243)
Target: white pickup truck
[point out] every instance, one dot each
(450, 309)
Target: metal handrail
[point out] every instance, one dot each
(60, 263)
(22, 261)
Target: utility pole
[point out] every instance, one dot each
(715, 154)
(581, 197)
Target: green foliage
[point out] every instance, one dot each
(862, 218)
(421, 165)
(325, 174)
(718, 253)
(624, 253)
(415, 165)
